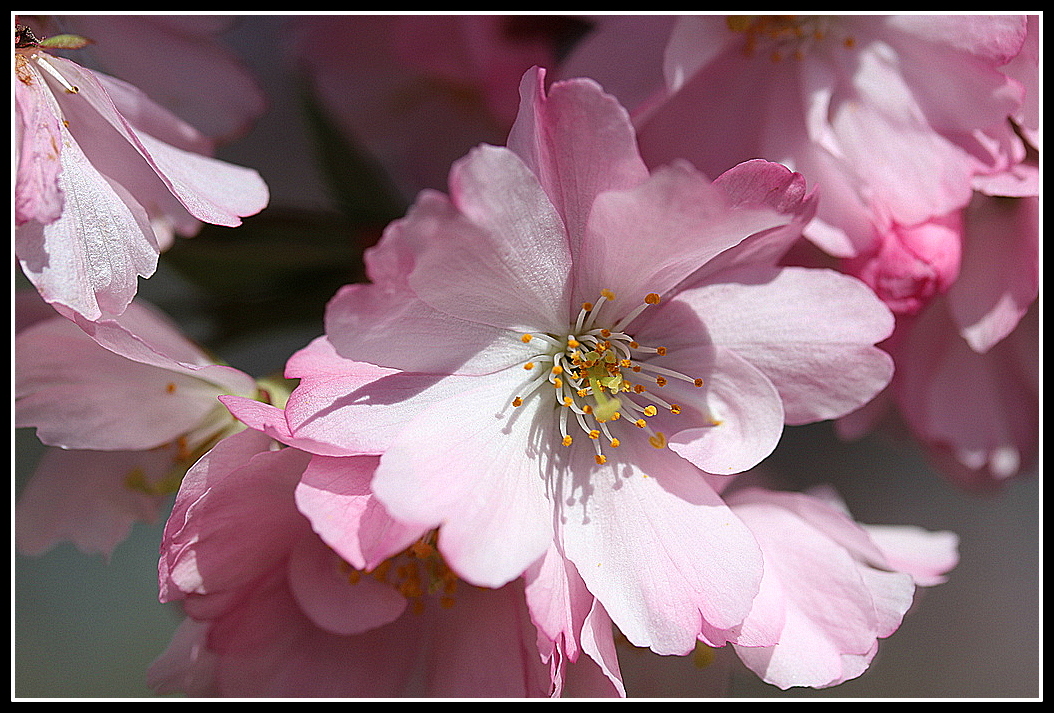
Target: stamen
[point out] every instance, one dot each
(46, 66)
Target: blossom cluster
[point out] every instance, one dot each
(629, 254)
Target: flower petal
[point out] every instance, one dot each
(475, 466)
(658, 547)
(578, 141)
(651, 237)
(504, 261)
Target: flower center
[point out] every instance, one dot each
(785, 35)
(417, 572)
(600, 375)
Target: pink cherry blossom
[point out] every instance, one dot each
(126, 414)
(480, 376)
(897, 118)
(281, 614)
(106, 179)
(832, 587)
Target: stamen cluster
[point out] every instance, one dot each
(417, 572)
(598, 376)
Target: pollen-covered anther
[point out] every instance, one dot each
(658, 440)
(567, 440)
(650, 410)
(526, 338)
(517, 401)
(660, 380)
(529, 365)
(594, 434)
(600, 458)
(615, 443)
(674, 408)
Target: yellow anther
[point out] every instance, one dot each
(616, 416)
(587, 409)
(641, 423)
(652, 299)
(698, 382)
(638, 388)
(558, 382)
(650, 410)
(558, 369)
(674, 408)
(526, 338)
(517, 401)
(661, 351)
(608, 294)
(594, 434)
(614, 443)
(658, 440)
(567, 440)
(660, 380)
(568, 401)
(605, 333)
(634, 344)
(625, 363)
(587, 306)
(529, 365)
(600, 459)
(583, 392)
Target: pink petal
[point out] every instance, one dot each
(239, 486)
(38, 142)
(334, 410)
(658, 547)
(732, 422)
(578, 141)
(213, 191)
(926, 556)
(802, 328)
(999, 277)
(183, 51)
(471, 465)
(505, 260)
(677, 219)
(388, 326)
(89, 258)
(321, 588)
(334, 494)
(79, 395)
(84, 497)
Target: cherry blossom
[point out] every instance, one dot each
(569, 346)
(898, 118)
(282, 614)
(105, 180)
(125, 413)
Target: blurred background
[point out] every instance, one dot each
(87, 627)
